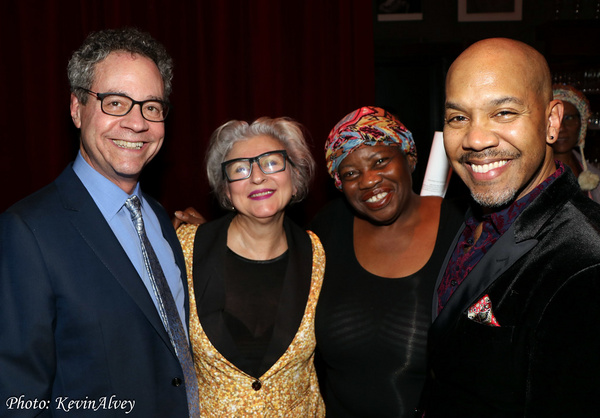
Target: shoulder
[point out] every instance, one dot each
(186, 233)
(329, 216)
(452, 213)
(316, 242)
(37, 204)
(204, 235)
(44, 208)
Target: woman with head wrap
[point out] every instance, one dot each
(572, 133)
(384, 246)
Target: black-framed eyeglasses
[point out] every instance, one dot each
(269, 163)
(117, 104)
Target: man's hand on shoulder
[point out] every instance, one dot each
(188, 216)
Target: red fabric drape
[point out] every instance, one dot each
(311, 60)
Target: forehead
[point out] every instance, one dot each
(366, 153)
(483, 79)
(252, 147)
(132, 74)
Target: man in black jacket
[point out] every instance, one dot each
(516, 300)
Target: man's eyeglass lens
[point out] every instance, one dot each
(114, 104)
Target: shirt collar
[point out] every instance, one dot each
(108, 196)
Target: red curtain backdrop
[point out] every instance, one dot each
(311, 60)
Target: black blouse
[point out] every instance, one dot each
(372, 331)
(253, 290)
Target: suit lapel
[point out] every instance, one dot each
(210, 247)
(501, 256)
(97, 234)
(510, 247)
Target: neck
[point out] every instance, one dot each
(256, 239)
(409, 216)
(569, 159)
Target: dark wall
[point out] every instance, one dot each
(234, 59)
(412, 57)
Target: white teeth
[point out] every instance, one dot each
(128, 145)
(377, 197)
(487, 167)
(262, 194)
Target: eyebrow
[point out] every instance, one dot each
(155, 98)
(496, 102)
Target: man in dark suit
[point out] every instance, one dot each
(517, 297)
(93, 301)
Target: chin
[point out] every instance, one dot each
(494, 199)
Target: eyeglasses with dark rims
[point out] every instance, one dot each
(269, 163)
(117, 104)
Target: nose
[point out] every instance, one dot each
(134, 120)
(257, 176)
(479, 137)
(369, 179)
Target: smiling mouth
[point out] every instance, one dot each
(128, 145)
(484, 168)
(378, 197)
(261, 194)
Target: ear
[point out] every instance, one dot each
(227, 192)
(555, 115)
(76, 109)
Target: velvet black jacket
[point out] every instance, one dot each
(543, 279)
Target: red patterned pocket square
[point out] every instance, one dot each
(482, 312)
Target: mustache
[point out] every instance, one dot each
(486, 154)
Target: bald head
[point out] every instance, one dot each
(498, 54)
(500, 120)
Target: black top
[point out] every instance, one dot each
(372, 331)
(210, 261)
(253, 290)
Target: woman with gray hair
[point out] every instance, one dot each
(254, 277)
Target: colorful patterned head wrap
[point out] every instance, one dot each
(576, 98)
(366, 126)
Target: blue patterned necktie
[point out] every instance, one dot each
(166, 307)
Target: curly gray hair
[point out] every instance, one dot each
(285, 130)
(98, 45)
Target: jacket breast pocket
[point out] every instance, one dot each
(485, 357)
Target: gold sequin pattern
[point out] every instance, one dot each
(288, 389)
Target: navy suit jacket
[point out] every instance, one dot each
(78, 324)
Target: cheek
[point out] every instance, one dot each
(158, 131)
(348, 190)
(228, 190)
(451, 142)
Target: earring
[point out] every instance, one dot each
(551, 137)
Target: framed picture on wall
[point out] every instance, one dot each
(391, 10)
(488, 10)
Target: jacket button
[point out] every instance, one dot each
(176, 382)
(256, 385)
